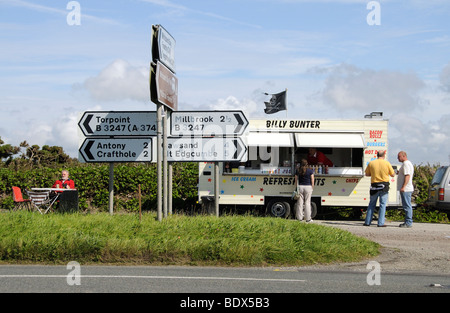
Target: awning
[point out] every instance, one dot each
(330, 140)
(270, 139)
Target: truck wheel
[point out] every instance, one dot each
(278, 208)
(313, 209)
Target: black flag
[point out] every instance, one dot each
(277, 103)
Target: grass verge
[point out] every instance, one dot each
(178, 240)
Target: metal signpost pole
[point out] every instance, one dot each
(170, 187)
(165, 193)
(159, 160)
(111, 187)
(216, 188)
(163, 91)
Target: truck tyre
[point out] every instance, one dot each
(278, 208)
(313, 209)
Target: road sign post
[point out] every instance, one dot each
(111, 188)
(127, 139)
(223, 128)
(163, 91)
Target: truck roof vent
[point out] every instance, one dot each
(377, 115)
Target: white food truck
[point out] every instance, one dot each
(266, 176)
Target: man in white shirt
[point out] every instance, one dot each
(405, 186)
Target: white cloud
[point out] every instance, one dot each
(38, 133)
(445, 78)
(65, 133)
(119, 81)
(349, 87)
(248, 106)
(423, 141)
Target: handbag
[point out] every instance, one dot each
(382, 186)
(295, 195)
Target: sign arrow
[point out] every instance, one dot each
(237, 147)
(86, 123)
(240, 123)
(87, 150)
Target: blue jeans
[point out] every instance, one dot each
(384, 196)
(406, 203)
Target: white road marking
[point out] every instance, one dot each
(158, 277)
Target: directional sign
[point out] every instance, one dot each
(116, 150)
(214, 149)
(118, 123)
(163, 86)
(163, 47)
(208, 123)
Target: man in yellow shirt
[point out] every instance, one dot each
(379, 170)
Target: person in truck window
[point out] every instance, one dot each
(316, 157)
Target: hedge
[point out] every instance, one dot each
(92, 181)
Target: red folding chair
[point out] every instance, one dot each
(19, 201)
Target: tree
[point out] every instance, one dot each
(7, 151)
(33, 155)
(48, 155)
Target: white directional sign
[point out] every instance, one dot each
(118, 123)
(216, 149)
(116, 150)
(163, 47)
(208, 123)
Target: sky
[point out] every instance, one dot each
(339, 59)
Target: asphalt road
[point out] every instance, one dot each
(194, 280)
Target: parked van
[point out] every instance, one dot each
(265, 178)
(439, 191)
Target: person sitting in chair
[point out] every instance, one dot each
(65, 182)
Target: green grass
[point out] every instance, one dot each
(179, 240)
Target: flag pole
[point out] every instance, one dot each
(286, 104)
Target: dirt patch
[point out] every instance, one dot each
(424, 248)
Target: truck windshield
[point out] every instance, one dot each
(438, 176)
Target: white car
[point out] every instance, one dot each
(439, 191)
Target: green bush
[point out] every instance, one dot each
(422, 179)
